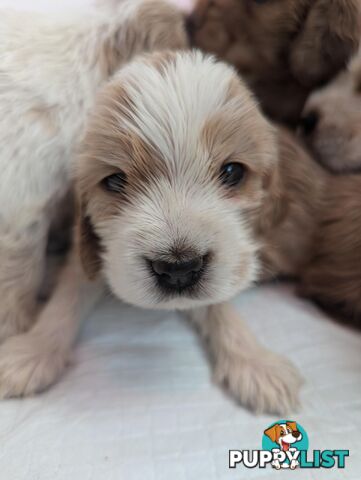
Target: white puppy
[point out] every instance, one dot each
(175, 185)
(50, 70)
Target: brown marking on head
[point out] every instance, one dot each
(239, 133)
(109, 148)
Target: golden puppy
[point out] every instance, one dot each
(283, 48)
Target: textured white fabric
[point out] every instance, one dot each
(138, 403)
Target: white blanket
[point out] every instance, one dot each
(138, 402)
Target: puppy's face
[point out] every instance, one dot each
(177, 163)
(331, 122)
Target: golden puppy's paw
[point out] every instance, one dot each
(265, 383)
(28, 365)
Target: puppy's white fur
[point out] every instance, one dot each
(50, 70)
(169, 122)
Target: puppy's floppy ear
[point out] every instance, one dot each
(88, 243)
(329, 36)
(272, 433)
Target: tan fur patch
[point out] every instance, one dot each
(107, 149)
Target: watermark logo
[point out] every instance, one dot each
(285, 445)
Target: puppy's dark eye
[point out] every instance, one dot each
(115, 183)
(232, 174)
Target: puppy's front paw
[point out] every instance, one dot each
(265, 383)
(28, 365)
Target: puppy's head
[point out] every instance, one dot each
(331, 122)
(176, 166)
(292, 43)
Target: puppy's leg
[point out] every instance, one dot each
(31, 362)
(259, 379)
(21, 271)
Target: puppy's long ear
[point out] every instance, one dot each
(271, 433)
(330, 35)
(88, 243)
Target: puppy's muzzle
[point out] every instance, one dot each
(178, 276)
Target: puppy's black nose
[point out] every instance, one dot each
(178, 276)
(309, 122)
(296, 434)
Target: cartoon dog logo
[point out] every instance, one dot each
(284, 435)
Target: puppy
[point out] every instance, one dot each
(331, 122)
(50, 71)
(284, 49)
(186, 196)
